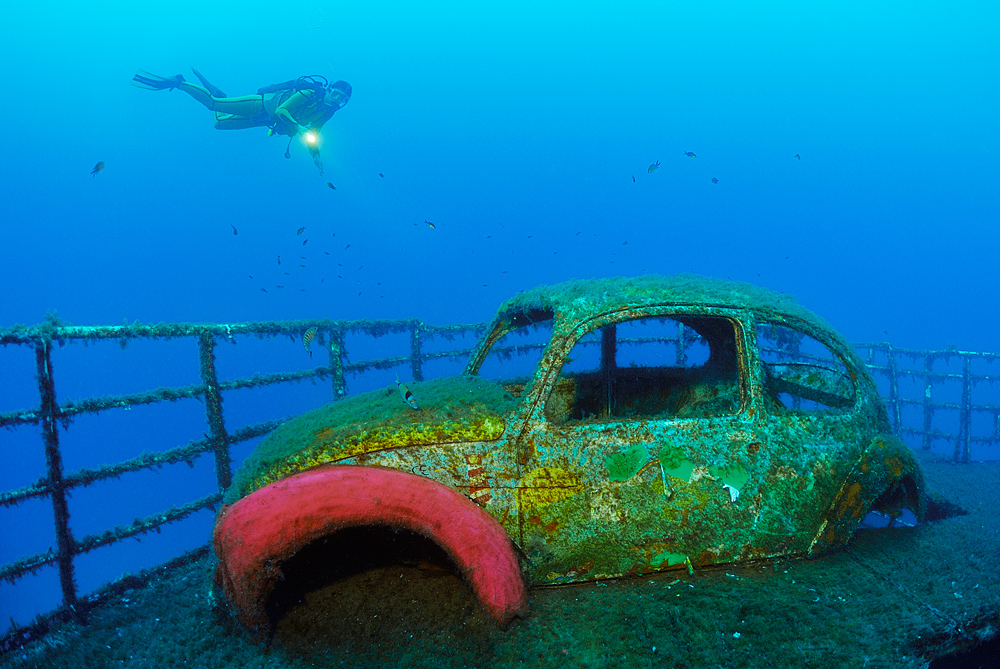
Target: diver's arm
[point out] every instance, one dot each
(284, 110)
(317, 161)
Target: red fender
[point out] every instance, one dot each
(253, 536)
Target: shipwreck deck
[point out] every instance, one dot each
(893, 598)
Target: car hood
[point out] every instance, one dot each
(454, 409)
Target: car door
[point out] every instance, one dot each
(641, 447)
(809, 413)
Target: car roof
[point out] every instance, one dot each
(581, 298)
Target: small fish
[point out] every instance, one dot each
(300, 230)
(714, 180)
(332, 187)
(652, 168)
(234, 229)
(405, 393)
(307, 338)
(797, 156)
(430, 225)
(689, 154)
(97, 168)
(381, 175)
(304, 242)
(279, 260)
(263, 290)
(633, 178)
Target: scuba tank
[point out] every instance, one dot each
(313, 82)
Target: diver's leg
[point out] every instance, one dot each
(234, 122)
(198, 93)
(247, 105)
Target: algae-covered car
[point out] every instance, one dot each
(601, 428)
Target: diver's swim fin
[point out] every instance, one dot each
(210, 87)
(144, 79)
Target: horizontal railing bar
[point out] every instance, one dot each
(939, 434)
(15, 570)
(920, 353)
(957, 376)
(22, 417)
(12, 497)
(188, 452)
(96, 404)
(987, 408)
(11, 572)
(30, 335)
(143, 525)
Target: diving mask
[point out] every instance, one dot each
(337, 94)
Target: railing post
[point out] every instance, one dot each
(65, 544)
(213, 410)
(963, 445)
(337, 363)
(416, 358)
(897, 418)
(681, 348)
(928, 409)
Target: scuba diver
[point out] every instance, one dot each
(298, 107)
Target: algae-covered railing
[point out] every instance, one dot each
(884, 360)
(919, 414)
(52, 417)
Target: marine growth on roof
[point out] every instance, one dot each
(582, 297)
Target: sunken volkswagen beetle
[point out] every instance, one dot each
(601, 428)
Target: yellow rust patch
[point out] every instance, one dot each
(340, 445)
(548, 485)
(895, 465)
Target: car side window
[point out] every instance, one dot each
(650, 367)
(802, 374)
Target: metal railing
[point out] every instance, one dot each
(898, 365)
(50, 415)
(884, 360)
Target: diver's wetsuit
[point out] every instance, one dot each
(284, 111)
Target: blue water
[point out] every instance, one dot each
(523, 131)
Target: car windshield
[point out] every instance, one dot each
(514, 347)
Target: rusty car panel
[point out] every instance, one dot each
(624, 426)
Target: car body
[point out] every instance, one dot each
(622, 426)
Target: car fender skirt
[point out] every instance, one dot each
(256, 534)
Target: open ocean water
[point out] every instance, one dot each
(845, 153)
